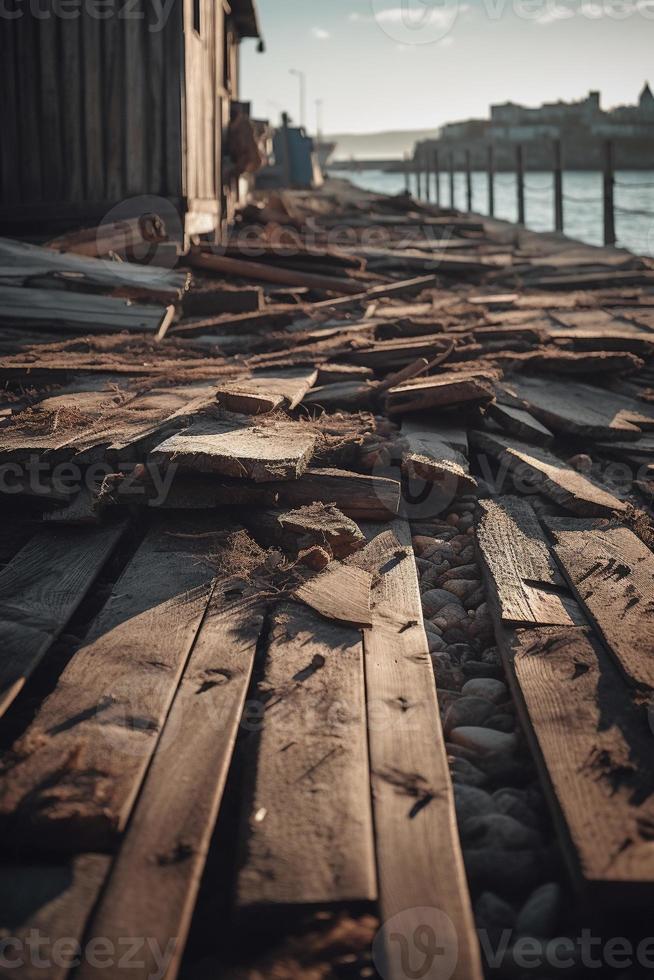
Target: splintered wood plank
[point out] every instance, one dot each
(393, 354)
(593, 746)
(153, 885)
(612, 573)
(78, 768)
(570, 407)
(264, 393)
(39, 592)
(54, 901)
(520, 423)
(430, 456)
(441, 391)
(316, 524)
(419, 862)
(341, 593)
(524, 582)
(366, 498)
(235, 446)
(308, 814)
(545, 472)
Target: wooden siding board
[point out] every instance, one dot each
(135, 106)
(9, 159)
(24, 30)
(51, 95)
(113, 100)
(71, 105)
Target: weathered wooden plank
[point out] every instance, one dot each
(51, 104)
(80, 312)
(419, 861)
(153, 885)
(341, 593)
(52, 902)
(611, 571)
(260, 272)
(524, 583)
(77, 770)
(540, 470)
(592, 744)
(39, 592)
(309, 834)
(9, 155)
(134, 109)
(389, 355)
(315, 524)
(441, 391)
(360, 497)
(92, 83)
(429, 456)
(519, 423)
(113, 111)
(237, 447)
(266, 392)
(72, 118)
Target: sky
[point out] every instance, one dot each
(413, 64)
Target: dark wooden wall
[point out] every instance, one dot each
(96, 111)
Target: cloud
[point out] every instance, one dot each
(320, 34)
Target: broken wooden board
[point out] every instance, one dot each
(315, 524)
(307, 816)
(419, 862)
(81, 312)
(592, 744)
(235, 446)
(260, 272)
(539, 470)
(21, 264)
(553, 360)
(573, 408)
(430, 457)
(524, 583)
(389, 355)
(519, 423)
(340, 593)
(40, 589)
(153, 884)
(440, 391)
(266, 392)
(361, 497)
(79, 766)
(611, 572)
(342, 394)
(48, 900)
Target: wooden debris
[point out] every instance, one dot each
(429, 457)
(524, 583)
(441, 391)
(266, 392)
(316, 524)
(540, 470)
(262, 272)
(39, 592)
(308, 815)
(363, 498)
(611, 572)
(519, 423)
(236, 446)
(341, 593)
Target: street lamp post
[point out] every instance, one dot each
(300, 75)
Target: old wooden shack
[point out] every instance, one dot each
(102, 102)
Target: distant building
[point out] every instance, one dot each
(583, 127)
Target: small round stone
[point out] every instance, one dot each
(483, 740)
(487, 687)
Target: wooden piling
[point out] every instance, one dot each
(609, 207)
(407, 179)
(418, 181)
(451, 180)
(520, 183)
(468, 182)
(437, 177)
(558, 187)
(427, 179)
(491, 181)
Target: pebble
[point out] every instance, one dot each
(476, 668)
(501, 723)
(487, 687)
(484, 740)
(513, 802)
(470, 572)
(509, 872)
(435, 641)
(435, 600)
(453, 520)
(470, 802)
(493, 915)
(540, 913)
(447, 675)
(461, 588)
(467, 521)
(496, 831)
(467, 712)
(475, 599)
(465, 773)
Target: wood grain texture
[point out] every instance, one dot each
(430, 456)
(611, 572)
(53, 901)
(73, 777)
(357, 495)
(79, 312)
(154, 882)
(39, 592)
(593, 746)
(264, 393)
(419, 861)
(442, 391)
(524, 583)
(341, 593)
(309, 822)
(236, 446)
(519, 423)
(537, 468)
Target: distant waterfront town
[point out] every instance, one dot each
(582, 127)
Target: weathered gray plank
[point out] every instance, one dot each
(310, 836)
